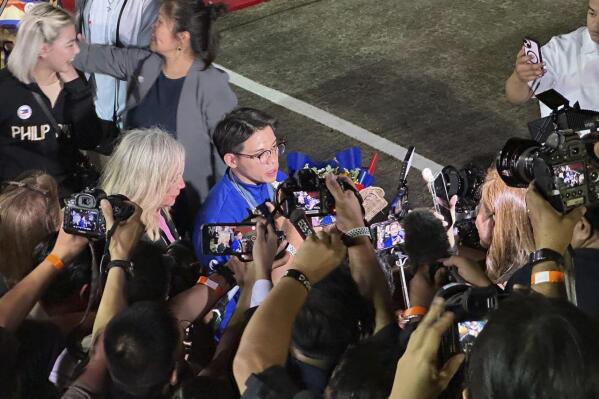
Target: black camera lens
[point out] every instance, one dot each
(515, 162)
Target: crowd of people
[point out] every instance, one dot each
(119, 291)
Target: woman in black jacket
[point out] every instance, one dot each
(46, 108)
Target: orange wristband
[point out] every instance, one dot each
(415, 311)
(547, 277)
(211, 284)
(56, 261)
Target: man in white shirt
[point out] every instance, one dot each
(570, 66)
(122, 23)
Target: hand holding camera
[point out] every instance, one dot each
(68, 246)
(417, 375)
(319, 255)
(127, 234)
(551, 229)
(347, 204)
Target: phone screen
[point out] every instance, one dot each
(230, 239)
(387, 234)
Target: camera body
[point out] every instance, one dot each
(82, 214)
(465, 183)
(471, 306)
(564, 168)
(308, 191)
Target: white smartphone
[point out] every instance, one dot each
(532, 49)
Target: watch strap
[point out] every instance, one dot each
(350, 235)
(544, 255)
(126, 265)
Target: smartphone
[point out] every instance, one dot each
(230, 238)
(387, 234)
(441, 198)
(532, 49)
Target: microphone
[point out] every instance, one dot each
(425, 237)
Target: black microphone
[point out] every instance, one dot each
(425, 240)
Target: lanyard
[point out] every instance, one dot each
(245, 194)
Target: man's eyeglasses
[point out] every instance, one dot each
(265, 155)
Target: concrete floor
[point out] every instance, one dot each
(424, 73)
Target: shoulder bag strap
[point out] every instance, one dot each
(47, 112)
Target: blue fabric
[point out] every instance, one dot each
(225, 205)
(159, 106)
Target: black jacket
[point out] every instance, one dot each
(27, 139)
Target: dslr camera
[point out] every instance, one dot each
(82, 214)
(564, 168)
(466, 184)
(308, 191)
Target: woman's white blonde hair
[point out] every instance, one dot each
(41, 24)
(144, 165)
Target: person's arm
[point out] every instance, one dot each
(218, 98)
(265, 342)
(16, 304)
(80, 111)
(363, 263)
(122, 245)
(149, 14)
(551, 230)
(120, 63)
(517, 90)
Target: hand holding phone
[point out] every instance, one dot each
(532, 51)
(529, 62)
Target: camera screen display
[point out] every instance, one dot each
(84, 219)
(571, 175)
(309, 201)
(387, 234)
(468, 332)
(229, 239)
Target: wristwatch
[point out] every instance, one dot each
(349, 237)
(544, 255)
(126, 265)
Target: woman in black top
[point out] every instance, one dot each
(46, 108)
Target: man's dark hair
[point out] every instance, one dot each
(141, 345)
(426, 240)
(367, 370)
(535, 347)
(237, 127)
(333, 317)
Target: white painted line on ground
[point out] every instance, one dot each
(341, 125)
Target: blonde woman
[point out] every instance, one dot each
(147, 166)
(46, 107)
(504, 231)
